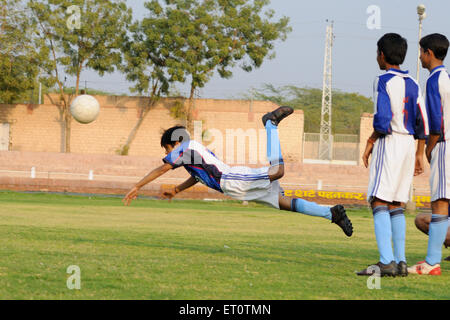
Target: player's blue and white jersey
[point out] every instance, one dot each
(398, 105)
(200, 162)
(437, 99)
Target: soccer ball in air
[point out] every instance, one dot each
(85, 108)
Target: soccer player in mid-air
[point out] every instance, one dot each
(399, 118)
(433, 49)
(238, 182)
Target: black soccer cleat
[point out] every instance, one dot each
(381, 269)
(277, 115)
(402, 269)
(339, 217)
(447, 259)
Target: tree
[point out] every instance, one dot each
(347, 107)
(145, 66)
(76, 35)
(18, 67)
(200, 37)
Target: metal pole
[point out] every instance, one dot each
(418, 54)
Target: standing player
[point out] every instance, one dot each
(433, 49)
(240, 183)
(398, 120)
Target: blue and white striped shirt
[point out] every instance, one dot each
(437, 98)
(399, 105)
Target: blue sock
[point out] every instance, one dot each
(398, 224)
(383, 233)
(310, 208)
(273, 144)
(437, 234)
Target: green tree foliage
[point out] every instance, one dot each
(18, 67)
(191, 39)
(71, 39)
(347, 107)
(199, 37)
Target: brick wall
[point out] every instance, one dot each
(38, 128)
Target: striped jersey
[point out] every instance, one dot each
(437, 99)
(398, 105)
(200, 162)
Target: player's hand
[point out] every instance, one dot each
(418, 169)
(169, 194)
(131, 195)
(366, 154)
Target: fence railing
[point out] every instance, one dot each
(345, 148)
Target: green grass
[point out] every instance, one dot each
(192, 250)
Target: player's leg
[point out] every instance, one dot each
(383, 235)
(437, 231)
(383, 229)
(270, 122)
(437, 235)
(440, 195)
(398, 225)
(422, 222)
(335, 214)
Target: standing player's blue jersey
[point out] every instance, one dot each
(398, 105)
(200, 162)
(437, 98)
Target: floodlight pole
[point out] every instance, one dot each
(411, 204)
(325, 140)
(422, 15)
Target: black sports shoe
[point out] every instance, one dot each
(402, 269)
(447, 259)
(277, 115)
(389, 270)
(339, 217)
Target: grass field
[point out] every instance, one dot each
(192, 250)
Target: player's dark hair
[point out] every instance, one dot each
(394, 48)
(174, 135)
(436, 42)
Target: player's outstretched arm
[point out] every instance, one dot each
(185, 185)
(132, 194)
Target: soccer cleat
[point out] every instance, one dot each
(277, 115)
(383, 270)
(423, 268)
(339, 217)
(447, 259)
(402, 269)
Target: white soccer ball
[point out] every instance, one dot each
(85, 108)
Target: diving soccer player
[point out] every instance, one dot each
(239, 182)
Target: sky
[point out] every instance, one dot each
(299, 60)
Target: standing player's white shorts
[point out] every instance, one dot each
(392, 168)
(244, 183)
(440, 171)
